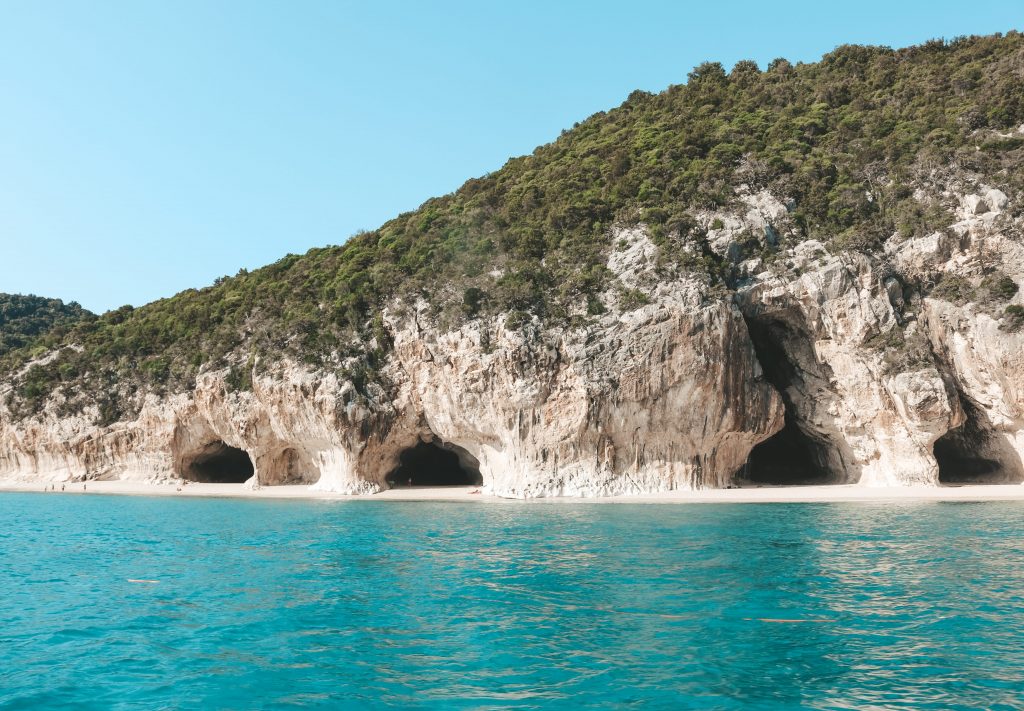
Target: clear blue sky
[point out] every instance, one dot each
(147, 147)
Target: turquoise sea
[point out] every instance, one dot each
(292, 604)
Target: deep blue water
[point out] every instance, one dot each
(546, 605)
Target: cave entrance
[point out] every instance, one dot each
(787, 458)
(430, 464)
(791, 456)
(217, 463)
(973, 454)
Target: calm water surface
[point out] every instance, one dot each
(434, 605)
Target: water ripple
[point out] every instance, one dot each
(424, 605)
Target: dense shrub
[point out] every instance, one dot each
(1014, 318)
(24, 319)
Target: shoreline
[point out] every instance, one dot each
(764, 494)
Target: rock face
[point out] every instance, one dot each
(889, 386)
(669, 395)
(982, 355)
(856, 360)
(869, 425)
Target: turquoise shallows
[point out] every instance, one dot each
(292, 604)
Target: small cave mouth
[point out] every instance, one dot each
(430, 464)
(972, 453)
(787, 458)
(218, 463)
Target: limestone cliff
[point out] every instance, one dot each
(878, 377)
(673, 394)
(669, 395)
(805, 274)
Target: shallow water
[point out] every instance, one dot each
(439, 605)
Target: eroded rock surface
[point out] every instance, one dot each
(880, 377)
(874, 372)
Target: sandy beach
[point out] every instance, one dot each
(764, 494)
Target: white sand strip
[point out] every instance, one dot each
(1000, 492)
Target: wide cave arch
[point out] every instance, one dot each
(218, 463)
(435, 464)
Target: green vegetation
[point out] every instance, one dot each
(901, 350)
(1000, 287)
(845, 139)
(954, 289)
(1014, 318)
(25, 319)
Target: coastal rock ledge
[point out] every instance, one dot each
(818, 367)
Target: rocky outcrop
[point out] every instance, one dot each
(877, 375)
(858, 359)
(981, 352)
(870, 424)
(668, 395)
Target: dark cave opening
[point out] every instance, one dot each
(791, 456)
(428, 464)
(973, 454)
(217, 463)
(787, 458)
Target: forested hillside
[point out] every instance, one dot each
(26, 319)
